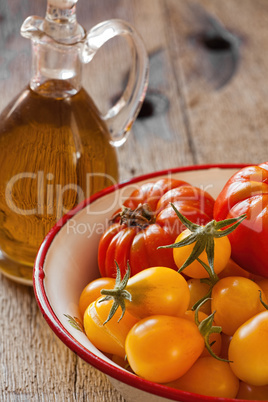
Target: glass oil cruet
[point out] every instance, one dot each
(55, 147)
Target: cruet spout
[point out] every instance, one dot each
(59, 25)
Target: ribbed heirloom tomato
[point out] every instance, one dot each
(147, 221)
(246, 192)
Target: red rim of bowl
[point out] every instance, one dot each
(70, 341)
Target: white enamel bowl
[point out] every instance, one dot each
(67, 261)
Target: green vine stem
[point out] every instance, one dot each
(118, 294)
(203, 239)
(211, 281)
(206, 328)
(263, 302)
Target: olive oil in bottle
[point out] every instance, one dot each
(56, 149)
(54, 153)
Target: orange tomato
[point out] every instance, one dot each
(91, 292)
(251, 392)
(155, 290)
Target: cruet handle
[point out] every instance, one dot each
(121, 116)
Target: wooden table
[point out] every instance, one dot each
(207, 102)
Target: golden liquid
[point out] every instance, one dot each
(53, 153)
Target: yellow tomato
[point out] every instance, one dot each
(157, 290)
(235, 299)
(109, 338)
(233, 269)
(209, 376)
(198, 290)
(248, 350)
(160, 348)
(225, 342)
(222, 253)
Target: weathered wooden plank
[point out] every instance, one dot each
(162, 125)
(226, 122)
(159, 139)
(35, 364)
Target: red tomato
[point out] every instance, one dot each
(136, 236)
(246, 192)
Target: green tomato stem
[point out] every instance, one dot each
(119, 294)
(262, 302)
(206, 328)
(203, 237)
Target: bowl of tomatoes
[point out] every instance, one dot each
(171, 331)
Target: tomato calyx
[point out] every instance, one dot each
(206, 328)
(142, 216)
(203, 237)
(118, 294)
